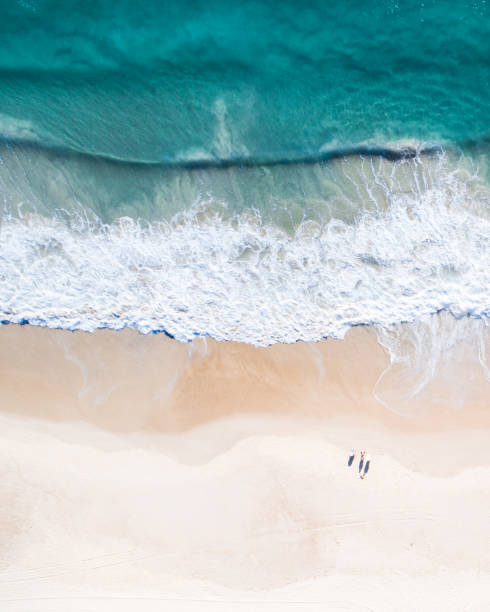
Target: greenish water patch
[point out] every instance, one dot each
(43, 181)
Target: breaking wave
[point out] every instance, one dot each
(421, 248)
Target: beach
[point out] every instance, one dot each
(214, 476)
(238, 243)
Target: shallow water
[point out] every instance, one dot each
(258, 173)
(394, 242)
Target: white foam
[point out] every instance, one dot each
(19, 129)
(239, 279)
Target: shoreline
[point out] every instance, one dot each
(89, 376)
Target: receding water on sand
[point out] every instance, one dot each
(125, 381)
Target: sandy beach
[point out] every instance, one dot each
(214, 476)
(244, 246)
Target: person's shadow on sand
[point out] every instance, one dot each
(366, 467)
(350, 461)
(361, 463)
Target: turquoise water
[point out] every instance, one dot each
(257, 171)
(169, 81)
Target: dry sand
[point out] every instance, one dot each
(137, 473)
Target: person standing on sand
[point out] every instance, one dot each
(361, 462)
(352, 454)
(366, 466)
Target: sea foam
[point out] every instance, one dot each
(239, 278)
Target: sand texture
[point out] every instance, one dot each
(137, 473)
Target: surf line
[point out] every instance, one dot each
(213, 162)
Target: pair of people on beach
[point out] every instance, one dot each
(363, 463)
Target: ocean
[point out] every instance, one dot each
(260, 172)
